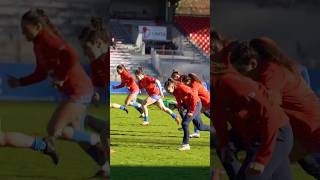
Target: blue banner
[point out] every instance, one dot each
(315, 80)
(43, 91)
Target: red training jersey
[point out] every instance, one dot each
(149, 84)
(186, 96)
(245, 104)
(101, 71)
(128, 81)
(203, 93)
(57, 60)
(297, 99)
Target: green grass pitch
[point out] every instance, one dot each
(140, 152)
(25, 164)
(150, 152)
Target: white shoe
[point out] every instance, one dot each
(195, 135)
(145, 123)
(185, 147)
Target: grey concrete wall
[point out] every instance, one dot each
(134, 9)
(288, 26)
(202, 70)
(69, 15)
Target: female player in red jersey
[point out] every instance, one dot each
(57, 61)
(95, 42)
(262, 60)
(196, 84)
(177, 76)
(193, 81)
(258, 126)
(185, 96)
(154, 90)
(220, 52)
(128, 81)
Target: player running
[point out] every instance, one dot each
(57, 61)
(258, 126)
(196, 84)
(96, 44)
(188, 98)
(128, 81)
(155, 94)
(262, 60)
(193, 81)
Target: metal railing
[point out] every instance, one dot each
(169, 57)
(175, 55)
(169, 52)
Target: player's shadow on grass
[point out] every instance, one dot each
(126, 132)
(142, 142)
(139, 135)
(159, 173)
(145, 132)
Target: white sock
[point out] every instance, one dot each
(105, 167)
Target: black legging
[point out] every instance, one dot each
(197, 121)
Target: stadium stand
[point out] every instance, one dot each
(159, 57)
(126, 51)
(198, 29)
(122, 55)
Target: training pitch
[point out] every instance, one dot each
(150, 152)
(24, 164)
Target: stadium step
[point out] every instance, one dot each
(122, 55)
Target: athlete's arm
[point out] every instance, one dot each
(160, 88)
(119, 86)
(38, 75)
